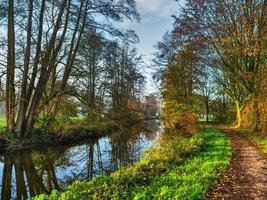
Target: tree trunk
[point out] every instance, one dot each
(47, 67)
(255, 114)
(238, 115)
(10, 87)
(23, 95)
(75, 41)
(37, 54)
(207, 109)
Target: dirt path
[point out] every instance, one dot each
(247, 175)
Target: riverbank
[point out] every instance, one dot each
(176, 168)
(71, 134)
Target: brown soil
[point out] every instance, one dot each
(246, 177)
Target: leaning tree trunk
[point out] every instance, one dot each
(75, 42)
(47, 66)
(23, 95)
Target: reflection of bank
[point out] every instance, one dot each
(95, 162)
(28, 179)
(127, 146)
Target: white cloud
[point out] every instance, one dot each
(162, 8)
(152, 11)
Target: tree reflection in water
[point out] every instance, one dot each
(28, 173)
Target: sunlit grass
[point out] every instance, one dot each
(182, 168)
(2, 125)
(2, 122)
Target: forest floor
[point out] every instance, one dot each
(246, 177)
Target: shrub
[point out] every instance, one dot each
(179, 117)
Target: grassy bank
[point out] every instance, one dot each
(71, 134)
(177, 168)
(80, 131)
(257, 138)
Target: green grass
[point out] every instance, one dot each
(2, 122)
(2, 127)
(177, 168)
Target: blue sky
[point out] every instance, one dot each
(155, 21)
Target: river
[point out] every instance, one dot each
(30, 172)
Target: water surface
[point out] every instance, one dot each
(27, 173)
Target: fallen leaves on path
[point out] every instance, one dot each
(246, 178)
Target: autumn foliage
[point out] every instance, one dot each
(214, 60)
